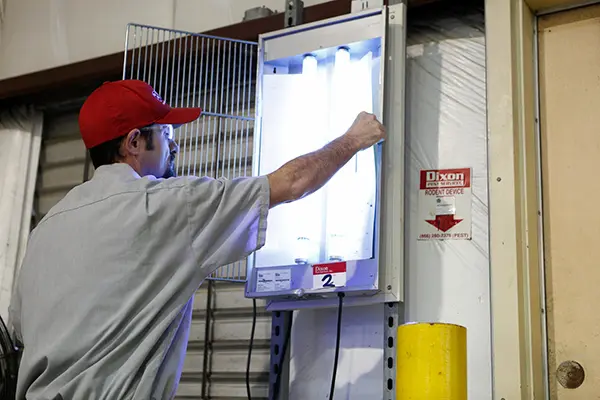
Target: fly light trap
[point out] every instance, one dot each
(313, 81)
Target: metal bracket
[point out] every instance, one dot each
(294, 9)
(256, 13)
(393, 318)
(279, 371)
(361, 5)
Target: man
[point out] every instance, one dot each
(104, 297)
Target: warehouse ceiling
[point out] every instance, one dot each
(74, 81)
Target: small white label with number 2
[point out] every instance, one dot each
(329, 275)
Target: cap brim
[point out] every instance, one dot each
(180, 116)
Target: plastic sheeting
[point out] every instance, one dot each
(448, 280)
(445, 281)
(20, 139)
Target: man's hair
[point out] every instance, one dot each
(109, 152)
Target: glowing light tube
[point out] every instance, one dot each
(309, 210)
(340, 186)
(342, 59)
(309, 65)
(351, 192)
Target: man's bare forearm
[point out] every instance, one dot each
(308, 173)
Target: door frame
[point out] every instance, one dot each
(518, 301)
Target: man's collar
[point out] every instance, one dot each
(121, 170)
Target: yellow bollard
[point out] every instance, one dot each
(431, 362)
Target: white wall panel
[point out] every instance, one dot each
(41, 34)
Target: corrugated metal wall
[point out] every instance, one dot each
(62, 166)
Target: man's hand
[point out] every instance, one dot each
(366, 131)
(308, 173)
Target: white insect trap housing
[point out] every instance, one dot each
(313, 80)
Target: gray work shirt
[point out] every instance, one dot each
(104, 297)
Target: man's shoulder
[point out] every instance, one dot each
(118, 181)
(202, 182)
(96, 192)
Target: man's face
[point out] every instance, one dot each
(158, 156)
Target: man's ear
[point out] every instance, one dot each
(133, 143)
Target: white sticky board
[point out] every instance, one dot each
(448, 280)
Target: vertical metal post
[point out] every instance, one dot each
(394, 93)
(281, 332)
(282, 321)
(294, 9)
(392, 319)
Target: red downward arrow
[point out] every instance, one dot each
(444, 222)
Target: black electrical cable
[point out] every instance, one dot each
(250, 349)
(207, 339)
(337, 345)
(286, 342)
(284, 351)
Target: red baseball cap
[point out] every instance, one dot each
(116, 108)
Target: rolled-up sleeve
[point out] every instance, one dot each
(227, 218)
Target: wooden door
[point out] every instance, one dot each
(569, 62)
